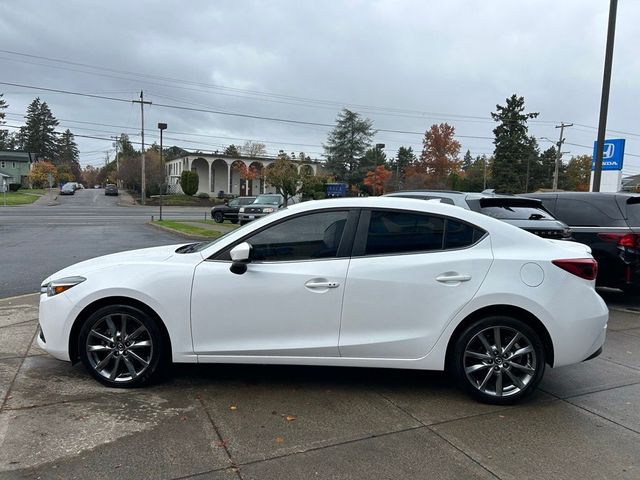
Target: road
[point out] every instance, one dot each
(37, 240)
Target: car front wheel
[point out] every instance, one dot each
(121, 346)
(499, 360)
(218, 217)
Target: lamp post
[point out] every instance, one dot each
(161, 127)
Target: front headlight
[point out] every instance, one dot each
(62, 285)
(267, 210)
(241, 210)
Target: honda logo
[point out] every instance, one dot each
(608, 151)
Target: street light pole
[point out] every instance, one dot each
(161, 127)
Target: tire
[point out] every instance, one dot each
(242, 222)
(488, 370)
(110, 358)
(234, 221)
(218, 217)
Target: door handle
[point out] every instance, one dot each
(316, 284)
(453, 277)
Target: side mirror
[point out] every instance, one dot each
(241, 255)
(226, 202)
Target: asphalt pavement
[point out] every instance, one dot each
(38, 240)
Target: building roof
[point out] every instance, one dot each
(15, 156)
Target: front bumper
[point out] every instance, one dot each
(247, 217)
(55, 318)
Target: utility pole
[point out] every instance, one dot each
(559, 154)
(484, 181)
(604, 99)
(143, 178)
(117, 162)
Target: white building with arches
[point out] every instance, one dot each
(219, 172)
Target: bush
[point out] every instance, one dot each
(189, 182)
(203, 195)
(14, 187)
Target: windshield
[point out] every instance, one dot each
(268, 199)
(197, 247)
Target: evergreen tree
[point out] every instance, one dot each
(68, 154)
(39, 134)
(513, 150)
(4, 134)
(404, 158)
(347, 144)
(467, 161)
(232, 150)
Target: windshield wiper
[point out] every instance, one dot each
(189, 248)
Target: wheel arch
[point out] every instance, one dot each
(104, 302)
(506, 310)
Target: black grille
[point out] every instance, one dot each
(253, 210)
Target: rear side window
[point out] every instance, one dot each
(460, 234)
(602, 212)
(404, 232)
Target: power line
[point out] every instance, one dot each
(219, 112)
(259, 95)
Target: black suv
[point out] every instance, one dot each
(610, 224)
(526, 213)
(229, 211)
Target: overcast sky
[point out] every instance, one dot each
(404, 64)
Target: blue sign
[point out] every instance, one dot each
(612, 155)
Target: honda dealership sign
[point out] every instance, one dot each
(612, 154)
(612, 160)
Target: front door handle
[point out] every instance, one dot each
(317, 284)
(453, 277)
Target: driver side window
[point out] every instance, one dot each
(308, 237)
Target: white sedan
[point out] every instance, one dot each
(368, 282)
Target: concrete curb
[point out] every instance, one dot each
(179, 233)
(18, 297)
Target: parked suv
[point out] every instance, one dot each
(263, 205)
(526, 213)
(610, 224)
(229, 211)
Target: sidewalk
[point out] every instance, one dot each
(287, 422)
(48, 200)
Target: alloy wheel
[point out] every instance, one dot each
(119, 347)
(500, 361)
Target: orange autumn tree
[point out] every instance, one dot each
(377, 179)
(438, 160)
(246, 173)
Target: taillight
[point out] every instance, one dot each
(586, 268)
(629, 240)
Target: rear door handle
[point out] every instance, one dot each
(453, 277)
(315, 284)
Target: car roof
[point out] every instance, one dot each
(451, 194)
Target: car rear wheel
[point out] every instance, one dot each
(218, 217)
(499, 360)
(121, 346)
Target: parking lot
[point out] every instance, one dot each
(247, 422)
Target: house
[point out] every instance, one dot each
(15, 165)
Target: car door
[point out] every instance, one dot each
(409, 275)
(289, 300)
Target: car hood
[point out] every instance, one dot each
(145, 255)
